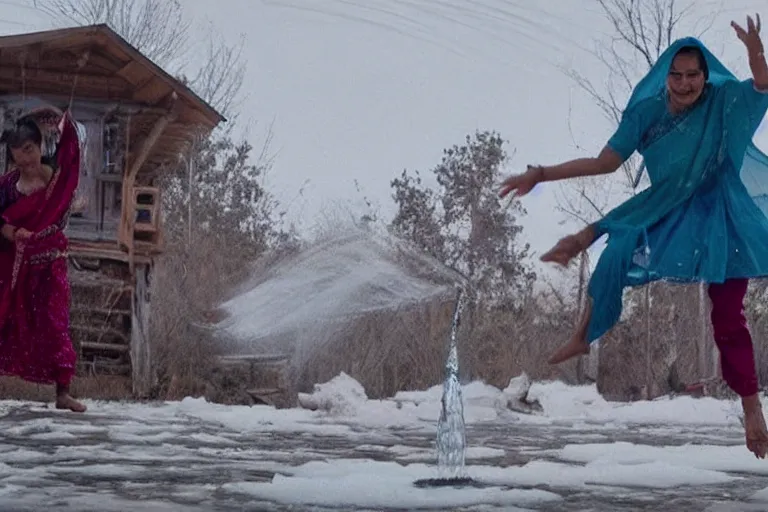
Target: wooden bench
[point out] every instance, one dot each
(255, 363)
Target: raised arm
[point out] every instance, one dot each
(751, 39)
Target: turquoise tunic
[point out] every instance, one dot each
(701, 219)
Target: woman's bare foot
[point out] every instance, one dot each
(65, 401)
(755, 429)
(574, 348)
(569, 247)
(578, 345)
(563, 252)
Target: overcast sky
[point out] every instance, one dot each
(358, 90)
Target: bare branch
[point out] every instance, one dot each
(157, 28)
(160, 30)
(220, 79)
(575, 214)
(597, 209)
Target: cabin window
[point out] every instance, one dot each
(98, 201)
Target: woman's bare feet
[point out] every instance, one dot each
(563, 252)
(65, 401)
(574, 348)
(578, 345)
(755, 429)
(569, 247)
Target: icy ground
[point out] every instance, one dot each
(581, 453)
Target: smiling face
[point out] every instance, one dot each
(24, 145)
(686, 79)
(27, 155)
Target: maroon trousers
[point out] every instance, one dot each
(737, 356)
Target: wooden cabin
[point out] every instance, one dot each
(135, 122)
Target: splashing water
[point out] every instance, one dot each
(300, 302)
(451, 438)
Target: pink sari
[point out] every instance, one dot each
(34, 289)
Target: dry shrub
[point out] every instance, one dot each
(646, 356)
(189, 281)
(507, 343)
(386, 351)
(406, 349)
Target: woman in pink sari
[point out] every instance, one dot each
(35, 201)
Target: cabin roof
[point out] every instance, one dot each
(104, 40)
(45, 64)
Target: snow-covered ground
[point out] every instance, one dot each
(580, 453)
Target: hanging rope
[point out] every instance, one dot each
(81, 62)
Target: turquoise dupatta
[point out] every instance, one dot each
(701, 218)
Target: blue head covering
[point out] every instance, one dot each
(656, 79)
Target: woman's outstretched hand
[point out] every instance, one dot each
(751, 36)
(521, 184)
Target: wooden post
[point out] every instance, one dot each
(703, 365)
(141, 361)
(580, 303)
(648, 344)
(126, 225)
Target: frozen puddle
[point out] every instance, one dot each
(582, 453)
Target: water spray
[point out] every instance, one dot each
(451, 434)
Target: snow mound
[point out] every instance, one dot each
(515, 396)
(340, 396)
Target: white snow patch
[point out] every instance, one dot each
(370, 484)
(60, 435)
(260, 419)
(761, 495)
(563, 402)
(100, 470)
(653, 475)
(689, 457)
(484, 452)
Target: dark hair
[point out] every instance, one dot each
(696, 51)
(23, 131)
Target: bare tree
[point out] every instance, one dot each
(157, 28)
(219, 80)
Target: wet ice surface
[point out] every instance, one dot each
(581, 454)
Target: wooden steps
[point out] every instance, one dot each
(101, 317)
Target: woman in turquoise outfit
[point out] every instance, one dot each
(701, 218)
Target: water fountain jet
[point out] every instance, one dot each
(451, 432)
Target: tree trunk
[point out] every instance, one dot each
(704, 355)
(648, 345)
(580, 303)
